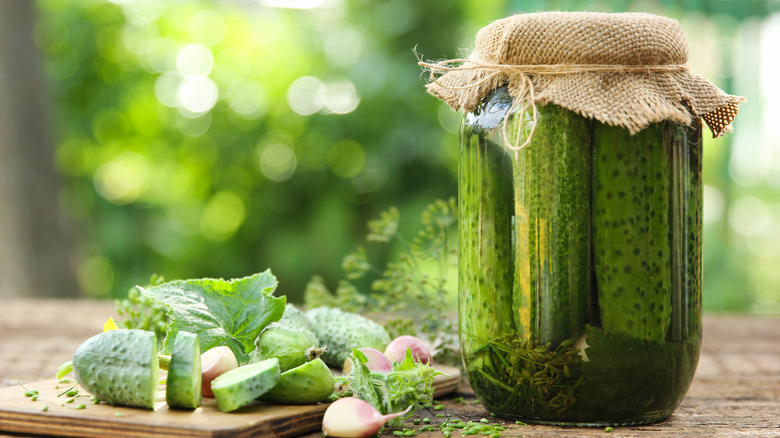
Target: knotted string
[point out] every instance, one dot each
(523, 86)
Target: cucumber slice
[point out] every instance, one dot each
(119, 367)
(309, 383)
(240, 386)
(184, 373)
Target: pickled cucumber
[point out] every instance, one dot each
(631, 229)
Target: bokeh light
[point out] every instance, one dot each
(277, 161)
(306, 95)
(121, 180)
(212, 138)
(197, 94)
(222, 216)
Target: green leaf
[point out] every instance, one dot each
(361, 383)
(407, 364)
(220, 312)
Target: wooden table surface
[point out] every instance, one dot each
(736, 390)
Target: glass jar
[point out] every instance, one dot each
(580, 265)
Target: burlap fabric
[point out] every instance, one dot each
(626, 69)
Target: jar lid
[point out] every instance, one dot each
(622, 69)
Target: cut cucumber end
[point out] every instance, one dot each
(241, 386)
(184, 373)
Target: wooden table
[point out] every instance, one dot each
(736, 391)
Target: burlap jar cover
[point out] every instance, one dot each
(624, 69)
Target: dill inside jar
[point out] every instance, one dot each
(580, 204)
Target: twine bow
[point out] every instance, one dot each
(521, 78)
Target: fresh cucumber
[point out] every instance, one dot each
(309, 383)
(293, 315)
(240, 386)
(119, 367)
(292, 343)
(339, 332)
(184, 373)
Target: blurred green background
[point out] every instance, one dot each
(220, 138)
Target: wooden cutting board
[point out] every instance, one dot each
(22, 415)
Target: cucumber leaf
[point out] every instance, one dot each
(220, 312)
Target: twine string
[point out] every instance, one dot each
(520, 76)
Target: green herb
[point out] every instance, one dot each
(402, 288)
(64, 369)
(483, 427)
(608, 429)
(28, 392)
(410, 383)
(45, 408)
(143, 313)
(222, 312)
(519, 372)
(67, 391)
(34, 397)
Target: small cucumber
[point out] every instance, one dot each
(240, 386)
(119, 367)
(293, 315)
(292, 343)
(184, 373)
(309, 383)
(339, 332)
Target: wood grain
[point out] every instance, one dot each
(735, 392)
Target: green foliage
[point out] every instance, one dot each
(408, 385)
(155, 187)
(519, 372)
(159, 183)
(140, 312)
(221, 312)
(412, 290)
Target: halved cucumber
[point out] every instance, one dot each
(184, 373)
(240, 386)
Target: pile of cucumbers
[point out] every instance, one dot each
(288, 366)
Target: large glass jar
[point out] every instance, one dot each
(580, 265)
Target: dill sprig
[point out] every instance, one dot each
(139, 312)
(411, 290)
